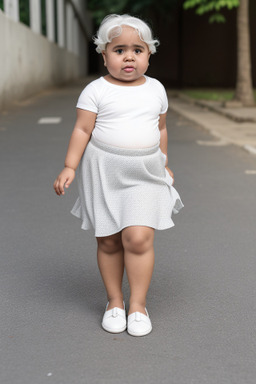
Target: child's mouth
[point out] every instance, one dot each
(128, 69)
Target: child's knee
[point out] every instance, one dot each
(110, 244)
(138, 239)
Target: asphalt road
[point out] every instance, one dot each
(202, 296)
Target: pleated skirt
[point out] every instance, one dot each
(120, 187)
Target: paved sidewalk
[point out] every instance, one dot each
(228, 125)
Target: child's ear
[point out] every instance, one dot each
(149, 54)
(104, 57)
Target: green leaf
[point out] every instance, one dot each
(217, 18)
(206, 6)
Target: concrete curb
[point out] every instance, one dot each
(220, 110)
(214, 122)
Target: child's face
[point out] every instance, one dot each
(126, 57)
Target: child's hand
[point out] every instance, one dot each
(170, 173)
(64, 179)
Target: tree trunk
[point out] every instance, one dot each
(244, 88)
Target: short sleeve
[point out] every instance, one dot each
(164, 99)
(88, 99)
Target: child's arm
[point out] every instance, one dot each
(80, 137)
(164, 140)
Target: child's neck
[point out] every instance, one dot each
(141, 80)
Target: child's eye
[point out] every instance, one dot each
(119, 51)
(137, 50)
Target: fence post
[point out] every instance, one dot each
(61, 23)
(11, 9)
(35, 15)
(69, 24)
(50, 20)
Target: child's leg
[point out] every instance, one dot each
(138, 243)
(111, 265)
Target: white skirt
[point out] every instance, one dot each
(120, 187)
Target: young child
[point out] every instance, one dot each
(125, 186)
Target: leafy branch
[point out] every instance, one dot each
(205, 6)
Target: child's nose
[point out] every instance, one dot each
(129, 56)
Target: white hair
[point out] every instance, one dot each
(111, 27)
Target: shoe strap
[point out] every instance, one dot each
(115, 312)
(137, 316)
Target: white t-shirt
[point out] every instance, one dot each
(127, 116)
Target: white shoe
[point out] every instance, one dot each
(139, 324)
(114, 320)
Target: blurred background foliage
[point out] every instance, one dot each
(215, 6)
(162, 8)
(140, 8)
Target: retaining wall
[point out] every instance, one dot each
(29, 62)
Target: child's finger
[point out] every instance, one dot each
(69, 181)
(55, 186)
(62, 183)
(65, 184)
(59, 188)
